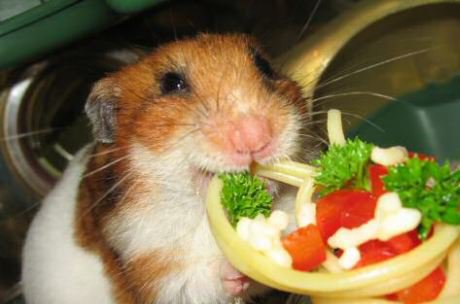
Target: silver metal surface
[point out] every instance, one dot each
(11, 137)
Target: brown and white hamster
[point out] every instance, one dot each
(127, 222)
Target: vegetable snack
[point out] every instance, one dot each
(374, 225)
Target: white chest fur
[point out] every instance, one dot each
(55, 269)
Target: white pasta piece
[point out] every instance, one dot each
(406, 219)
(259, 218)
(305, 211)
(263, 228)
(393, 218)
(387, 203)
(349, 258)
(280, 256)
(261, 233)
(306, 215)
(389, 156)
(279, 219)
(334, 127)
(260, 242)
(345, 238)
(331, 264)
(243, 228)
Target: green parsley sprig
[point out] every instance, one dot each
(244, 195)
(429, 187)
(341, 165)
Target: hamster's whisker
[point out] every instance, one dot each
(107, 151)
(361, 65)
(111, 189)
(320, 143)
(28, 134)
(372, 66)
(202, 107)
(308, 135)
(313, 113)
(21, 212)
(309, 20)
(315, 137)
(302, 31)
(307, 121)
(129, 190)
(106, 166)
(352, 93)
(305, 156)
(354, 69)
(360, 117)
(179, 140)
(315, 147)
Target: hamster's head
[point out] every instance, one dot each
(213, 103)
(188, 110)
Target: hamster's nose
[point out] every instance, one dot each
(250, 134)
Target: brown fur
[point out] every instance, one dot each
(144, 271)
(129, 279)
(89, 224)
(156, 126)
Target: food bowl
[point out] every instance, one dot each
(348, 286)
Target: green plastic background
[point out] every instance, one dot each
(427, 121)
(55, 23)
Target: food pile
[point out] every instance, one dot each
(359, 207)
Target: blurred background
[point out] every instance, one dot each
(391, 66)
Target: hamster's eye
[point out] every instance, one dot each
(263, 65)
(173, 82)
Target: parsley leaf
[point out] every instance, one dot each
(343, 164)
(244, 195)
(429, 187)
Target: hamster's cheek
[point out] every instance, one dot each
(158, 125)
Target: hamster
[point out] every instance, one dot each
(127, 222)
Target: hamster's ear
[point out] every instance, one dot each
(101, 109)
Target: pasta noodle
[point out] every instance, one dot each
(332, 285)
(334, 127)
(368, 281)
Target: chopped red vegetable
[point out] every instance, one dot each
(421, 156)
(377, 251)
(404, 242)
(376, 172)
(343, 208)
(425, 290)
(373, 252)
(306, 248)
(358, 210)
(349, 208)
